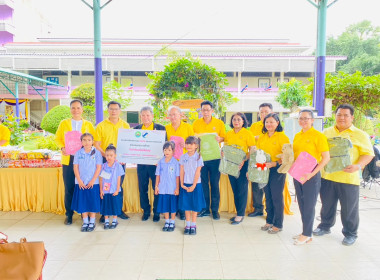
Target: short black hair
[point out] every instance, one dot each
(346, 106)
(76, 100)
(85, 135)
(168, 144)
(276, 117)
(266, 105)
(113, 103)
(111, 147)
(245, 121)
(206, 102)
(311, 113)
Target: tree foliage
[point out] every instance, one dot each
(16, 127)
(51, 120)
(188, 78)
(111, 91)
(361, 44)
(293, 94)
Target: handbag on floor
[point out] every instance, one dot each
(21, 260)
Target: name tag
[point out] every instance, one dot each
(105, 175)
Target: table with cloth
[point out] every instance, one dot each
(42, 190)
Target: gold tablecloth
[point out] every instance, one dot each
(42, 190)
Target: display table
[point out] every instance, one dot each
(42, 190)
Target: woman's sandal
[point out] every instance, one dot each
(307, 240)
(266, 227)
(274, 231)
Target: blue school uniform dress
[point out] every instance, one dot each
(168, 172)
(111, 205)
(195, 200)
(87, 200)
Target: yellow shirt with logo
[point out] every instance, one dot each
(65, 126)
(312, 141)
(214, 126)
(5, 134)
(148, 128)
(243, 139)
(257, 128)
(184, 130)
(361, 146)
(107, 132)
(272, 145)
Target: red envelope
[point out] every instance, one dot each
(305, 163)
(179, 144)
(72, 142)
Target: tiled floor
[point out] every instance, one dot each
(140, 250)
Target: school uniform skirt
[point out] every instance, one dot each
(192, 201)
(111, 205)
(86, 200)
(167, 203)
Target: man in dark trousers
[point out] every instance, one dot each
(145, 171)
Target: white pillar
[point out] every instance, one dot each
(281, 77)
(239, 82)
(112, 75)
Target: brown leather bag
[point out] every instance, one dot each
(23, 260)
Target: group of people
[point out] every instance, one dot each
(190, 186)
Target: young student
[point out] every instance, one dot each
(87, 166)
(110, 178)
(167, 186)
(191, 197)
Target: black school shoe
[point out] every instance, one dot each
(156, 217)
(215, 216)
(171, 227)
(193, 230)
(204, 213)
(187, 231)
(91, 227)
(84, 228)
(113, 225)
(166, 227)
(145, 217)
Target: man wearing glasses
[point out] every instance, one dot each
(210, 174)
(344, 185)
(106, 133)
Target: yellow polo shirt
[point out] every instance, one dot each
(148, 128)
(184, 130)
(272, 145)
(65, 126)
(312, 142)
(257, 128)
(5, 134)
(107, 132)
(214, 126)
(243, 139)
(361, 146)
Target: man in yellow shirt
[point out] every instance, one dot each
(210, 174)
(257, 130)
(5, 135)
(178, 128)
(344, 185)
(145, 171)
(106, 133)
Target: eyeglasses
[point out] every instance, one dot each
(304, 119)
(113, 109)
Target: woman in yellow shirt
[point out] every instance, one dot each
(76, 123)
(314, 143)
(271, 142)
(242, 138)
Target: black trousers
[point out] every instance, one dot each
(274, 198)
(307, 195)
(257, 197)
(121, 193)
(144, 172)
(210, 177)
(348, 196)
(240, 189)
(69, 182)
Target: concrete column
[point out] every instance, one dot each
(281, 77)
(239, 82)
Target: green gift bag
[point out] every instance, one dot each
(339, 154)
(210, 149)
(256, 173)
(231, 160)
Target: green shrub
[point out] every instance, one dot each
(16, 129)
(51, 120)
(47, 142)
